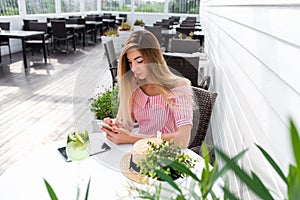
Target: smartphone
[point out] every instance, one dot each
(108, 127)
(63, 152)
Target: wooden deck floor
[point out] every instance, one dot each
(46, 103)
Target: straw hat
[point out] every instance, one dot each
(128, 162)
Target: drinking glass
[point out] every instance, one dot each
(78, 145)
(78, 148)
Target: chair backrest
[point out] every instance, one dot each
(71, 21)
(156, 30)
(205, 82)
(90, 18)
(4, 26)
(124, 16)
(205, 101)
(26, 23)
(38, 26)
(184, 46)
(184, 66)
(59, 29)
(112, 60)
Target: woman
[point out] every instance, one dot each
(150, 94)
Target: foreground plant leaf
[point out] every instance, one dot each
(50, 191)
(253, 183)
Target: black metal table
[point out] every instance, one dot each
(23, 35)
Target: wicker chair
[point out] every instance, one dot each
(5, 41)
(201, 117)
(184, 66)
(61, 34)
(37, 42)
(112, 60)
(184, 46)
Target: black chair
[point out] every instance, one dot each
(112, 60)
(89, 29)
(156, 31)
(5, 41)
(37, 42)
(205, 101)
(184, 46)
(184, 66)
(26, 23)
(61, 34)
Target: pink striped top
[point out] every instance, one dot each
(154, 114)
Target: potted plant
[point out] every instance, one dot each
(139, 23)
(125, 26)
(105, 104)
(111, 33)
(160, 156)
(210, 174)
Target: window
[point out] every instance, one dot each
(40, 6)
(90, 5)
(9, 7)
(154, 6)
(184, 6)
(70, 6)
(116, 5)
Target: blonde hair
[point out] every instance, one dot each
(160, 73)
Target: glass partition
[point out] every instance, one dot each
(90, 5)
(70, 6)
(184, 6)
(153, 6)
(9, 7)
(40, 6)
(116, 5)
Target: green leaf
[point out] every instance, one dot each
(244, 177)
(87, 190)
(272, 163)
(168, 179)
(50, 191)
(228, 194)
(184, 169)
(295, 143)
(293, 183)
(226, 167)
(205, 155)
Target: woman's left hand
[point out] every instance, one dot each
(120, 136)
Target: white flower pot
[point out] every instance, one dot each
(96, 124)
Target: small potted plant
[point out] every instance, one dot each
(125, 26)
(105, 104)
(111, 33)
(139, 23)
(159, 157)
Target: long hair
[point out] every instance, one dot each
(159, 73)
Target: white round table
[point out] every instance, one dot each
(24, 179)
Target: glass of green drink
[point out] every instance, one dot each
(78, 145)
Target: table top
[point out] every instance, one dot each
(19, 33)
(24, 180)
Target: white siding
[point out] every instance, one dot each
(254, 52)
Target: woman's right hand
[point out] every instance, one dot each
(109, 121)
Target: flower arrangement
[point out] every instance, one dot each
(139, 23)
(125, 26)
(159, 157)
(111, 33)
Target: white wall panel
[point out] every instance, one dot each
(254, 49)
